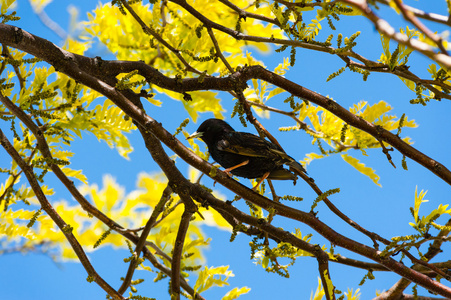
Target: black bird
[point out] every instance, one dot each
(244, 154)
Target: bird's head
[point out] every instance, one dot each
(211, 130)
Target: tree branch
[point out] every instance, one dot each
(65, 228)
(44, 149)
(428, 33)
(142, 239)
(384, 27)
(351, 119)
(178, 251)
(422, 14)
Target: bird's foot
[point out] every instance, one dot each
(237, 166)
(256, 186)
(260, 181)
(228, 173)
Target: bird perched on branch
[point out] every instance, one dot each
(246, 155)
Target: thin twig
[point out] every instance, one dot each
(250, 117)
(437, 18)
(6, 53)
(152, 32)
(47, 21)
(245, 14)
(142, 239)
(427, 32)
(159, 252)
(178, 251)
(218, 50)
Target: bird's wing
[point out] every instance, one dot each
(247, 144)
(281, 154)
(290, 161)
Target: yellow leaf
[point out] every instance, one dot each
(8, 4)
(213, 218)
(235, 293)
(312, 156)
(77, 47)
(204, 101)
(39, 5)
(275, 92)
(361, 168)
(75, 174)
(319, 293)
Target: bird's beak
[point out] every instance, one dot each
(194, 135)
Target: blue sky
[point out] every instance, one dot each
(383, 210)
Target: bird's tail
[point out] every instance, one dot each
(297, 167)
